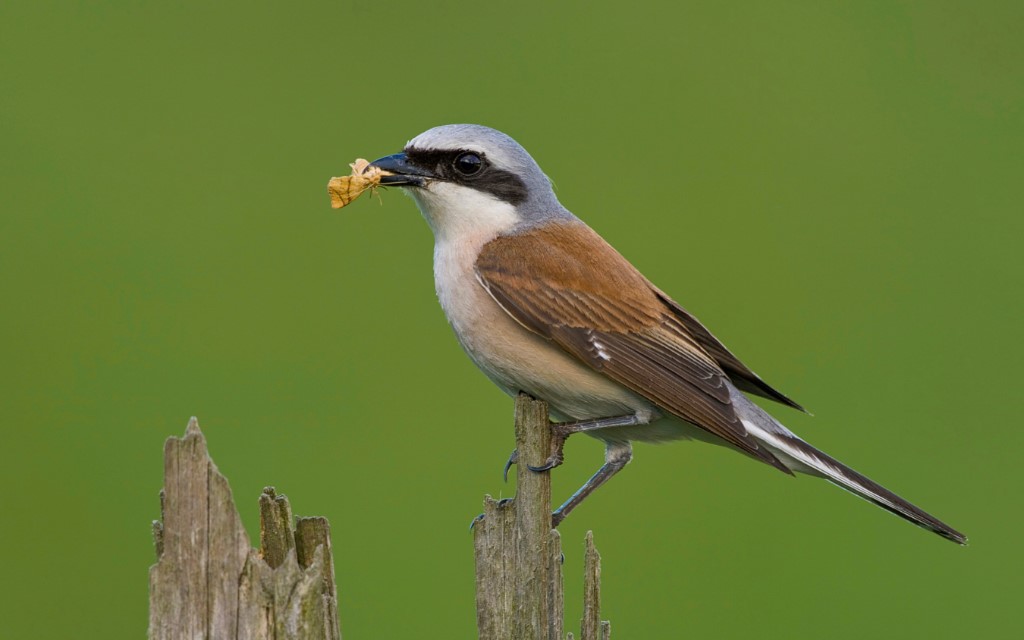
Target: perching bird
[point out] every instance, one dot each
(543, 305)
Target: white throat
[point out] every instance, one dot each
(462, 215)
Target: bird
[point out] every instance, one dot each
(543, 305)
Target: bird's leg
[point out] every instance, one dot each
(616, 456)
(560, 431)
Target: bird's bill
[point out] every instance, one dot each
(403, 172)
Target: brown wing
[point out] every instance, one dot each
(740, 375)
(565, 283)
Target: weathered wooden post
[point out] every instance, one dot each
(209, 583)
(519, 556)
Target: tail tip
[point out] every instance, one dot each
(953, 535)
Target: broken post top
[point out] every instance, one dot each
(209, 582)
(518, 554)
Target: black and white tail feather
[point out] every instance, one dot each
(800, 456)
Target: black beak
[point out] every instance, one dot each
(406, 174)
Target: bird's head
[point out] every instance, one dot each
(468, 178)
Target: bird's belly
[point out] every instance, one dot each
(517, 359)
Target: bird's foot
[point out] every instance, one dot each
(472, 523)
(557, 457)
(512, 459)
(501, 503)
(559, 432)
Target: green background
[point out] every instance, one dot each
(834, 188)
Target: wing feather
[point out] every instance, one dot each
(571, 287)
(740, 375)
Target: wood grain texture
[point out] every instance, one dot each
(519, 593)
(590, 623)
(209, 582)
(513, 543)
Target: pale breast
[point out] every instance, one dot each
(511, 356)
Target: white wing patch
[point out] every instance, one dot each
(597, 347)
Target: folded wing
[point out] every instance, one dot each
(565, 283)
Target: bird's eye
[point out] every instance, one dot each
(468, 164)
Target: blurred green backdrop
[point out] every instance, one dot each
(834, 188)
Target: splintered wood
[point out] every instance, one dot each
(519, 556)
(209, 582)
(345, 189)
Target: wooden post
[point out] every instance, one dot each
(519, 556)
(209, 582)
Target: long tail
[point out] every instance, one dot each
(800, 456)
